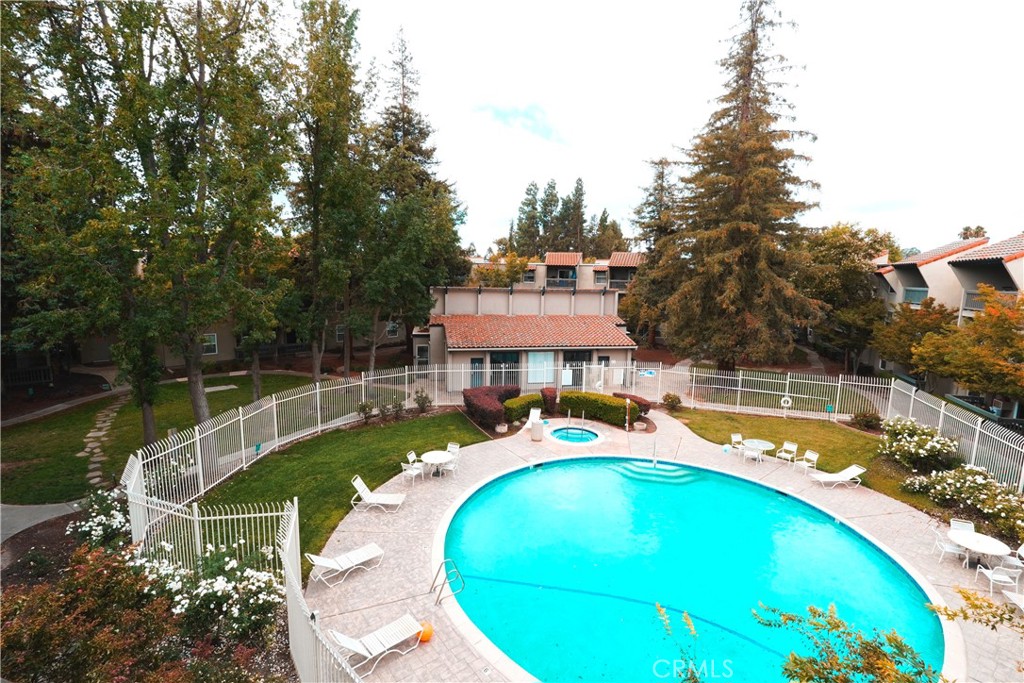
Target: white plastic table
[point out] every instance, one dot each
(979, 543)
(436, 458)
(759, 445)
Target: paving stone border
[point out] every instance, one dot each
(95, 439)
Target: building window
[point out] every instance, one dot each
(530, 276)
(601, 277)
(540, 367)
(339, 334)
(392, 330)
(210, 344)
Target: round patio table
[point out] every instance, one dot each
(436, 458)
(759, 445)
(979, 543)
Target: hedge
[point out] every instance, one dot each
(519, 407)
(600, 407)
(484, 404)
(645, 405)
(550, 396)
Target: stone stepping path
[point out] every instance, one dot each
(95, 439)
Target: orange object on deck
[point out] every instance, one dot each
(428, 631)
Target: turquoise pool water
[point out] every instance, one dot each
(574, 434)
(563, 565)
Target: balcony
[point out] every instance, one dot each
(973, 302)
(618, 284)
(915, 295)
(560, 282)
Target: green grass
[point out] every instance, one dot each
(319, 471)
(173, 409)
(39, 457)
(838, 446)
(766, 389)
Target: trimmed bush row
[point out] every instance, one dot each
(550, 396)
(645, 405)
(600, 407)
(519, 407)
(484, 404)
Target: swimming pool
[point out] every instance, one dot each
(574, 434)
(568, 590)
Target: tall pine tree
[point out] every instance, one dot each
(737, 299)
(526, 236)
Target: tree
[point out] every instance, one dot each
(736, 297)
(895, 340)
(505, 270)
(527, 232)
(986, 354)
(839, 273)
(982, 610)
(840, 653)
(607, 237)
(884, 242)
(546, 212)
(657, 214)
(967, 232)
(335, 198)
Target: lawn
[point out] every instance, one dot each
(319, 471)
(39, 463)
(39, 456)
(838, 446)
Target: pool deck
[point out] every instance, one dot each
(370, 599)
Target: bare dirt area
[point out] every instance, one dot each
(657, 354)
(22, 400)
(39, 553)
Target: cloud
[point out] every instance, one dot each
(532, 119)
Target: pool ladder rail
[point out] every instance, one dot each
(447, 573)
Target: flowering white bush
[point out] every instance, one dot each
(916, 446)
(225, 596)
(108, 525)
(974, 489)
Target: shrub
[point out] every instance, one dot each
(645, 405)
(672, 401)
(365, 410)
(422, 400)
(550, 396)
(107, 525)
(519, 407)
(916, 446)
(866, 420)
(484, 404)
(397, 408)
(385, 412)
(975, 490)
(600, 407)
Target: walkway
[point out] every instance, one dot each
(369, 599)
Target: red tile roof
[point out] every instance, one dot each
(884, 269)
(532, 331)
(563, 258)
(599, 267)
(626, 259)
(945, 251)
(1007, 250)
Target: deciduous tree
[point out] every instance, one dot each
(895, 340)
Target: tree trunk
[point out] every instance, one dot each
(196, 388)
(727, 364)
(409, 351)
(148, 424)
(257, 378)
(318, 353)
(652, 334)
(346, 352)
(373, 339)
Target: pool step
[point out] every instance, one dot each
(663, 474)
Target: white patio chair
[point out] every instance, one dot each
(1015, 559)
(365, 499)
(372, 647)
(999, 575)
(737, 441)
(808, 462)
(850, 476)
(961, 525)
(751, 453)
(413, 468)
(944, 545)
(326, 569)
(787, 452)
(453, 448)
(452, 465)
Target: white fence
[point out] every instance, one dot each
(980, 441)
(164, 479)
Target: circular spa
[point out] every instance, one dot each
(564, 562)
(574, 434)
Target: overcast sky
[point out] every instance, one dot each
(914, 104)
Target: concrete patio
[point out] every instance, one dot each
(411, 541)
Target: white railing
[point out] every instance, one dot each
(163, 480)
(980, 441)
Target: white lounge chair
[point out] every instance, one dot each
(364, 499)
(787, 452)
(944, 545)
(999, 575)
(534, 417)
(413, 468)
(808, 462)
(328, 569)
(961, 525)
(850, 476)
(1015, 598)
(374, 646)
